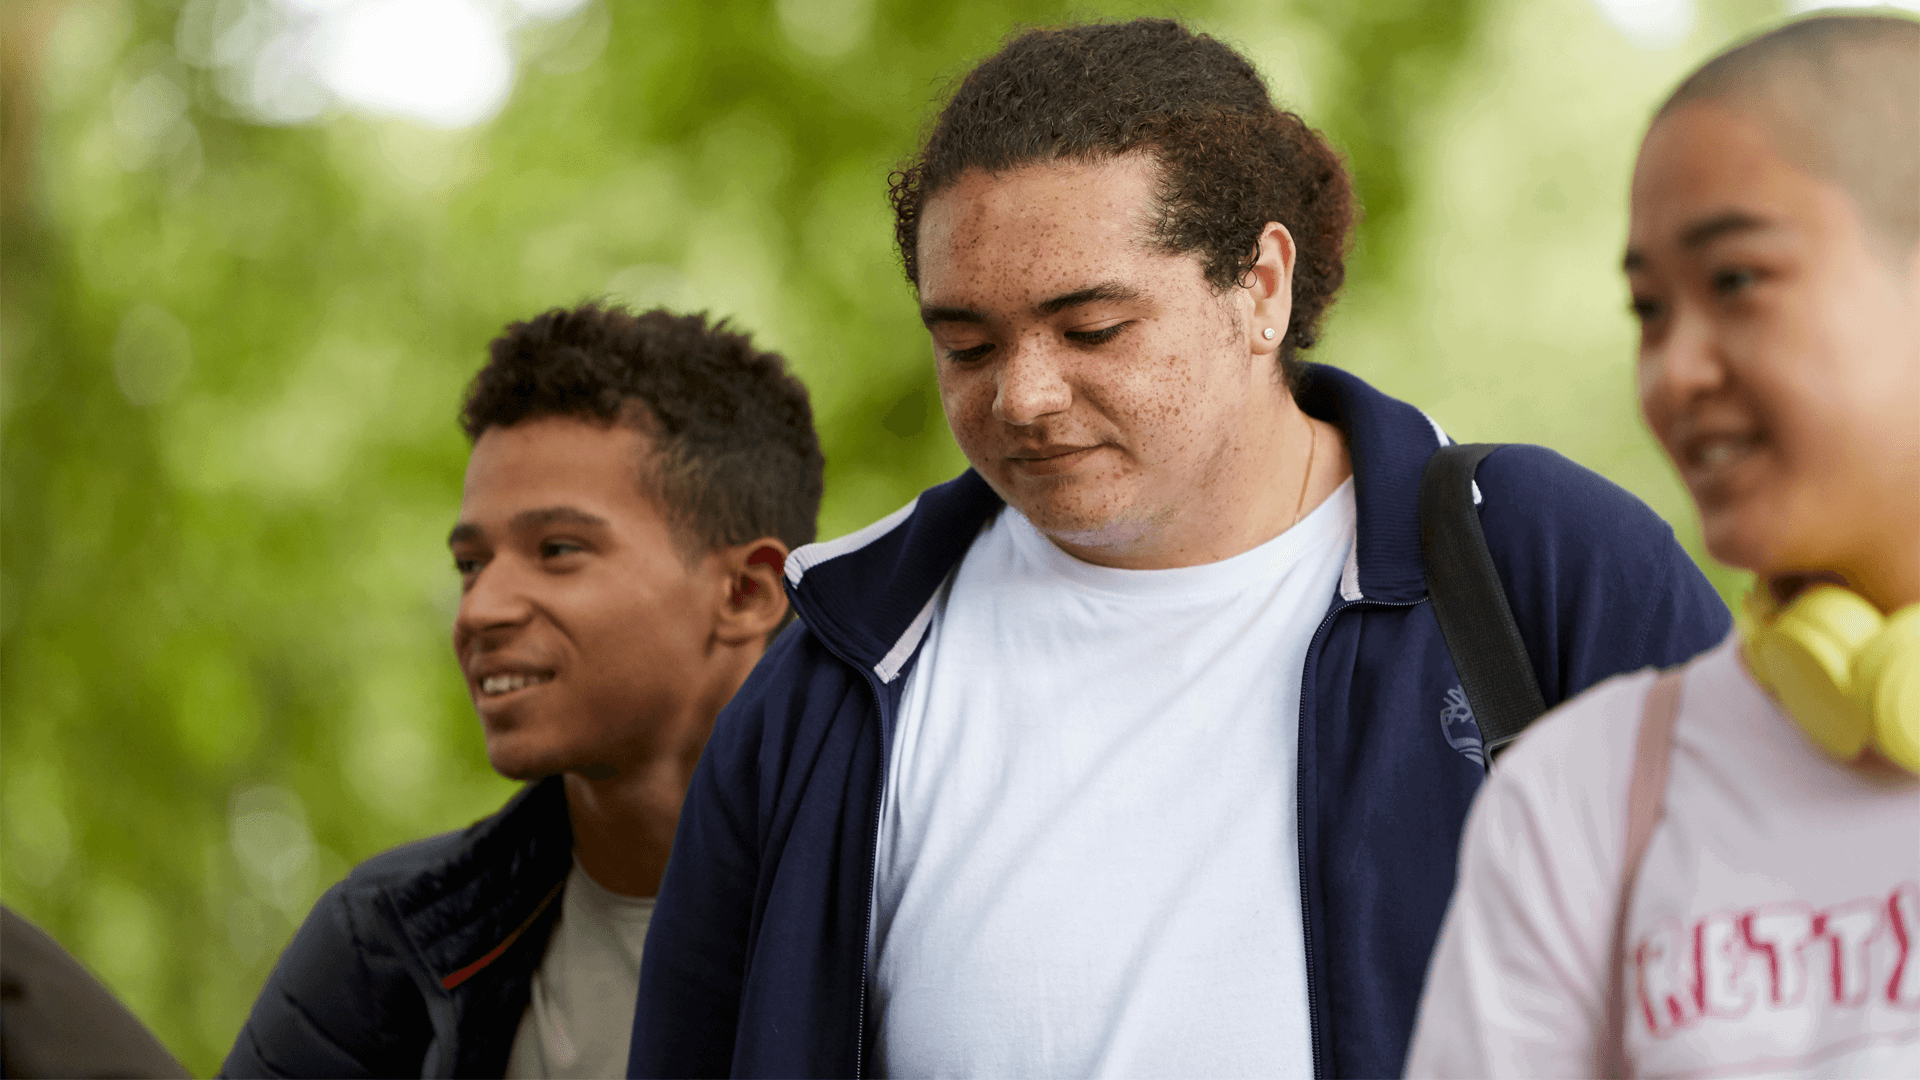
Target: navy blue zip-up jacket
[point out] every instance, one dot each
(756, 962)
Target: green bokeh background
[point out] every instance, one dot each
(233, 353)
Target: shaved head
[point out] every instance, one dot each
(1840, 97)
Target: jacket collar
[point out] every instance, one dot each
(1390, 442)
(869, 595)
(463, 911)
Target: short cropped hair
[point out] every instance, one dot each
(1230, 160)
(1839, 94)
(734, 456)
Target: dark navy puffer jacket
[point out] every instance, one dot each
(756, 961)
(420, 962)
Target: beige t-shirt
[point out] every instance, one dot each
(1774, 930)
(580, 1017)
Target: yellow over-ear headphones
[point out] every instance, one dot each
(1847, 674)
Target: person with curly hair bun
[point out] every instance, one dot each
(1137, 749)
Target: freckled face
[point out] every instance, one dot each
(1100, 386)
(1779, 354)
(582, 633)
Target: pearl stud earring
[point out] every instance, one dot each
(1267, 333)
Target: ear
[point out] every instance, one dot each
(1269, 285)
(755, 600)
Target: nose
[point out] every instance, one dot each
(1031, 385)
(1684, 365)
(493, 607)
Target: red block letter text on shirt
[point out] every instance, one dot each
(1848, 931)
(1720, 955)
(1903, 910)
(1780, 935)
(1669, 991)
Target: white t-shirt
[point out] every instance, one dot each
(580, 1018)
(1774, 928)
(1088, 857)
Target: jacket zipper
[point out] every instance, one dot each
(879, 797)
(873, 882)
(873, 862)
(1300, 825)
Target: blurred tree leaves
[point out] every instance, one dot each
(231, 355)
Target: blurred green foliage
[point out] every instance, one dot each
(233, 353)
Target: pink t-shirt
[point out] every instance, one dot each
(1774, 930)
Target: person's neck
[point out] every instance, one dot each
(1266, 485)
(1886, 568)
(1894, 582)
(624, 816)
(1888, 580)
(623, 825)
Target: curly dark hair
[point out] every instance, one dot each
(735, 454)
(1230, 160)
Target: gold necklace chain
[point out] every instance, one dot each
(1313, 444)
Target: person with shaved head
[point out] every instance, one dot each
(1715, 870)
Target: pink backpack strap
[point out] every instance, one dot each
(1652, 750)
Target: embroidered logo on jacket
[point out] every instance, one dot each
(1457, 724)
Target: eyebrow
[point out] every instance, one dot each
(1702, 233)
(932, 314)
(1105, 292)
(532, 519)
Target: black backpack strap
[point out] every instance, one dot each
(1475, 619)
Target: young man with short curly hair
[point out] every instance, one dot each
(1129, 751)
(635, 486)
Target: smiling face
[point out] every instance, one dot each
(1779, 355)
(585, 638)
(1100, 385)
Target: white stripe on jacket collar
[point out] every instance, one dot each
(889, 666)
(1350, 574)
(888, 669)
(1440, 434)
(809, 556)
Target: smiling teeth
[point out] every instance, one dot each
(1716, 453)
(1721, 451)
(504, 684)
